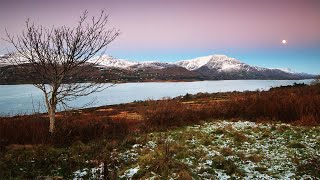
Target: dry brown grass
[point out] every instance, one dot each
(298, 105)
(167, 113)
(128, 116)
(70, 128)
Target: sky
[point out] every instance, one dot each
(171, 30)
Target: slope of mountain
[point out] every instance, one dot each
(110, 62)
(8, 59)
(210, 67)
(4, 60)
(213, 63)
(217, 62)
(224, 67)
(213, 67)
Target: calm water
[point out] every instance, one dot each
(25, 99)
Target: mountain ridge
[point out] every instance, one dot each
(212, 67)
(216, 61)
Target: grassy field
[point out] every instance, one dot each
(223, 150)
(253, 135)
(212, 150)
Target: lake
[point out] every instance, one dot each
(26, 99)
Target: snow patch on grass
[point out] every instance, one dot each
(221, 150)
(243, 149)
(130, 172)
(95, 173)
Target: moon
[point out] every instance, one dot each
(284, 41)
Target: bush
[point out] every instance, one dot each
(167, 113)
(69, 128)
(24, 130)
(280, 104)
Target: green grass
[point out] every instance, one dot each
(214, 150)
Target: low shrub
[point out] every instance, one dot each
(288, 104)
(69, 129)
(167, 113)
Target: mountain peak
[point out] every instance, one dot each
(219, 62)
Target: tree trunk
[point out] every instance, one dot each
(51, 106)
(52, 118)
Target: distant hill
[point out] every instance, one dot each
(213, 67)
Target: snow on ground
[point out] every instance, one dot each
(130, 173)
(95, 173)
(223, 150)
(263, 150)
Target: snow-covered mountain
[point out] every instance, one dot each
(220, 62)
(226, 67)
(111, 62)
(10, 59)
(217, 62)
(288, 70)
(207, 67)
(4, 60)
(212, 67)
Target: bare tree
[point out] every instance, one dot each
(57, 59)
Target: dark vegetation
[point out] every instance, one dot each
(34, 130)
(299, 105)
(9, 75)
